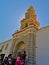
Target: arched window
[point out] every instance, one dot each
(26, 25)
(1, 48)
(6, 46)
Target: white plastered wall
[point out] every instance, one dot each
(42, 43)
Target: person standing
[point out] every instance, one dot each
(5, 61)
(1, 61)
(17, 60)
(9, 59)
(23, 58)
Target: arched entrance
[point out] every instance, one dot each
(20, 47)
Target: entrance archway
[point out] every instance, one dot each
(20, 47)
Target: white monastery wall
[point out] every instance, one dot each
(42, 43)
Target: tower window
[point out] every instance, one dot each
(26, 25)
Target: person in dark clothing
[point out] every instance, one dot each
(24, 58)
(9, 59)
(24, 55)
(13, 61)
(1, 61)
(2, 55)
(5, 61)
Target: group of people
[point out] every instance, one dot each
(20, 59)
(7, 60)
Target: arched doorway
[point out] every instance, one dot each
(20, 47)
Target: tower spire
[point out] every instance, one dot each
(30, 19)
(30, 13)
(31, 10)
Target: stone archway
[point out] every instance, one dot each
(20, 47)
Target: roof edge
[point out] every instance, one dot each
(44, 27)
(5, 41)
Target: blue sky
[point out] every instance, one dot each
(12, 11)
